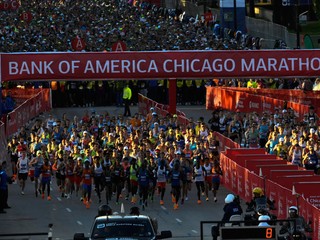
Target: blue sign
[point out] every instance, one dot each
(228, 9)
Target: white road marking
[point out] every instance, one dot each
(178, 220)
(163, 207)
(80, 223)
(59, 199)
(194, 231)
(68, 209)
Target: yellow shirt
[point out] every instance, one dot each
(127, 94)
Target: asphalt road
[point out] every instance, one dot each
(31, 215)
(68, 216)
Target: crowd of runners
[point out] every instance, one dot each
(143, 158)
(134, 158)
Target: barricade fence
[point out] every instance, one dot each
(217, 97)
(145, 103)
(32, 107)
(241, 181)
(289, 95)
(33, 102)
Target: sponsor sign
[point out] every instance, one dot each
(159, 65)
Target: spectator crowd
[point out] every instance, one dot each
(51, 26)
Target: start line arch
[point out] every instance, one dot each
(159, 65)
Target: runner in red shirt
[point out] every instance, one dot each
(87, 183)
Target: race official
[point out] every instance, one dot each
(127, 94)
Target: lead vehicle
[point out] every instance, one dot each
(123, 227)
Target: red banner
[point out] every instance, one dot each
(159, 65)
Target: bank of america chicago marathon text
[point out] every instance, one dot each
(118, 66)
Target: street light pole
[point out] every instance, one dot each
(235, 15)
(298, 24)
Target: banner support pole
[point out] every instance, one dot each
(172, 95)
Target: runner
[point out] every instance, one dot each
(98, 176)
(176, 177)
(186, 166)
(216, 173)
(161, 176)
(208, 177)
(126, 171)
(199, 177)
(87, 175)
(152, 169)
(272, 142)
(22, 166)
(117, 174)
(69, 183)
(46, 173)
(77, 171)
(59, 167)
(37, 162)
(134, 179)
(295, 154)
(107, 182)
(143, 180)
